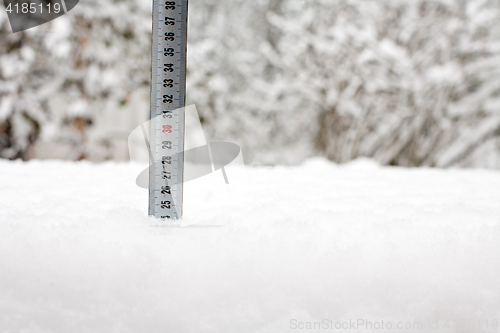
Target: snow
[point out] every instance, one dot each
(318, 241)
(396, 81)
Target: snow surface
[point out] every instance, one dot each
(319, 241)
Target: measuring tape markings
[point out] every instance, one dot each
(168, 85)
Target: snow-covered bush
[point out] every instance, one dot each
(410, 83)
(65, 86)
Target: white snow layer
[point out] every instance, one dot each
(319, 243)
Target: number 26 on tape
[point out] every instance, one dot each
(167, 129)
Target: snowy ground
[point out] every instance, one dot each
(297, 245)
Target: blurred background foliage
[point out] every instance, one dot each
(405, 82)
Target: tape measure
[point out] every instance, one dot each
(167, 117)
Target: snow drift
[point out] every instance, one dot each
(285, 245)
